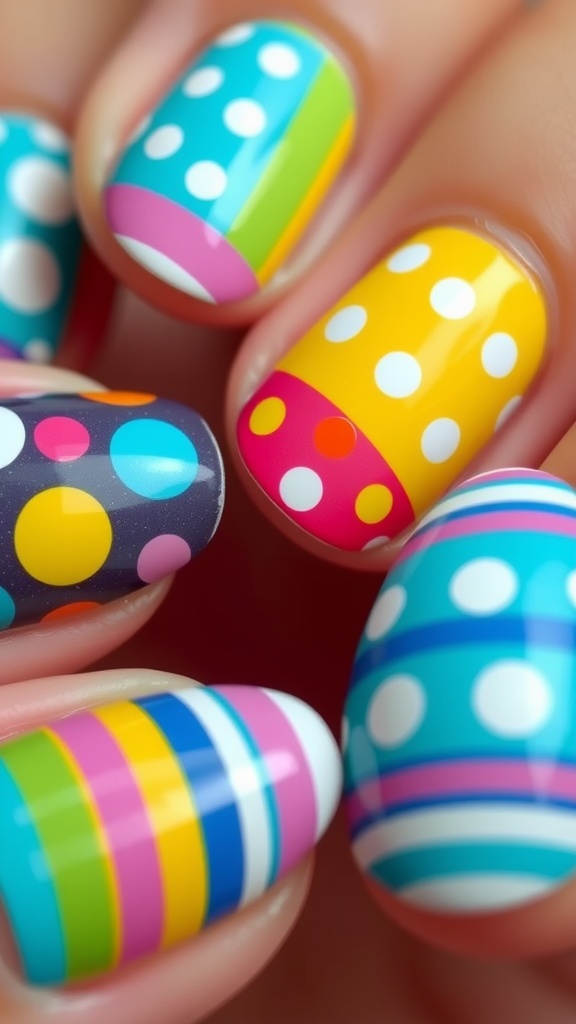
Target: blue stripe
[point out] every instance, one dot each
(403, 869)
(553, 633)
(390, 811)
(265, 780)
(27, 889)
(213, 796)
(507, 506)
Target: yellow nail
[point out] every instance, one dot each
(394, 391)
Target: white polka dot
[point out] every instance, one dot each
(512, 699)
(164, 141)
(142, 127)
(376, 542)
(206, 179)
(50, 137)
(29, 275)
(410, 257)
(278, 60)
(236, 35)
(453, 298)
(507, 411)
(386, 611)
(41, 189)
(245, 118)
(346, 323)
(203, 82)
(571, 587)
(499, 354)
(12, 436)
(396, 711)
(483, 586)
(398, 374)
(440, 439)
(38, 351)
(301, 489)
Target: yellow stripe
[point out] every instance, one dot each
(173, 816)
(107, 858)
(315, 195)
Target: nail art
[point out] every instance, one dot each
(376, 411)
(131, 826)
(460, 723)
(100, 493)
(222, 179)
(40, 241)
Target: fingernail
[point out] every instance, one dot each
(459, 724)
(100, 493)
(377, 410)
(40, 241)
(130, 827)
(228, 170)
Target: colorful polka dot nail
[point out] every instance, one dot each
(99, 494)
(221, 180)
(40, 241)
(375, 412)
(131, 826)
(460, 725)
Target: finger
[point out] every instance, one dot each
(201, 821)
(53, 291)
(102, 493)
(229, 168)
(407, 375)
(460, 721)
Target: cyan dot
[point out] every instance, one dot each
(153, 458)
(7, 609)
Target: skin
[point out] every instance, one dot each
(227, 616)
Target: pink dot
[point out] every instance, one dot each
(162, 556)
(61, 438)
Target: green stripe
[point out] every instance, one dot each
(299, 157)
(71, 847)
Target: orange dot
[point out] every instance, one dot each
(335, 437)
(119, 397)
(65, 610)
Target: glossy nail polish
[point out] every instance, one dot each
(371, 416)
(460, 723)
(223, 177)
(40, 241)
(100, 493)
(127, 828)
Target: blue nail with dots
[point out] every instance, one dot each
(40, 240)
(100, 494)
(218, 183)
(459, 734)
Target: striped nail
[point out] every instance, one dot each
(40, 241)
(100, 493)
(460, 723)
(130, 827)
(374, 413)
(223, 177)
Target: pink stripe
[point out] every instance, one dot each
(268, 457)
(286, 766)
(183, 237)
(489, 522)
(127, 828)
(540, 780)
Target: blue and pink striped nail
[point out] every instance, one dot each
(460, 724)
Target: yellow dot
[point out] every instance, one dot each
(62, 536)
(267, 416)
(373, 503)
